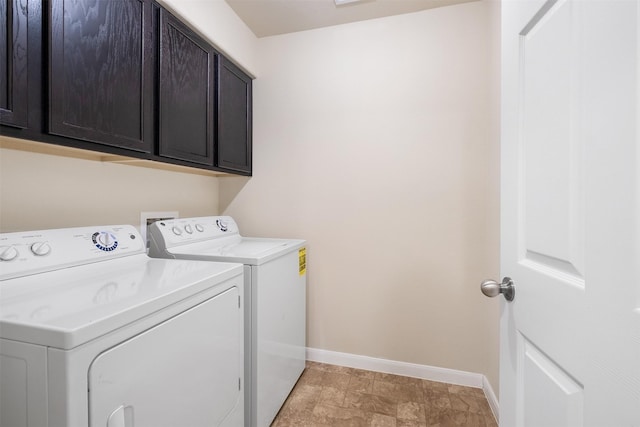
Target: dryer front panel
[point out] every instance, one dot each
(186, 371)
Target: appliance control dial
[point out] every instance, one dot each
(188, 228)
(222, 225)
(200, 228)
(8, 253)
(176, 230)
(104, 241)
(41, 248)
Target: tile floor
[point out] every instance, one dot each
(328, 395)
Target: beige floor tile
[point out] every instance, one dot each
(324, 377)
(331, 415)
(336, 379)
(435, 386)
(337, 396)
(382, 388)
(311, 377)
(398, 392)
(411, 411)
(453, 418)
(437, 400)
(408, 423)
(397, 379)
(484, 405)
(371, 403)
(361, 373)
(332, 396)
(332, 368)
(465, 402)
(360, 384)
(490, 421)
(462, 390)
(379, 420)
(303, 398)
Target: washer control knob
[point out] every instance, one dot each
(41, 248)
(222, 224)
(188, 228)
(8, 253)
(104, 241)
(176, 230)
(200, 228)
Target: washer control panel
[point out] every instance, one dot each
(180, 231)
(31, 252)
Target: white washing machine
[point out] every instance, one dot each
(275, 309)
(93, 332)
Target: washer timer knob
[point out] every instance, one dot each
(104, 241)
(200, 228)
(40, 248)
(8, 253)
(222, 225)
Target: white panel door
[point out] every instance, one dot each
(570, 340)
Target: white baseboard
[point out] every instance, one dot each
(491, 398)
(431, 373)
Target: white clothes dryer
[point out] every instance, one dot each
(275, 308)
(93, 332)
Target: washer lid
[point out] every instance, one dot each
(245, 250)
(68, 307)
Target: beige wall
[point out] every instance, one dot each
(40, 191)
(378, 143)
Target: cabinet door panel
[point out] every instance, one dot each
(234, 150)
(13, 63)
(186, 93)
(100, 78)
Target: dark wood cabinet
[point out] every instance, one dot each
(100, 79)
(13, 63)
(234, 142)
(122, 77)
(186, 93)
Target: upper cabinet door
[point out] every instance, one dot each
(100, 81)
(234, 150)
(186, 95)
(13, 63)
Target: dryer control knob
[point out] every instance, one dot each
(200, 228)
(40, 248)
(176, 230)
(8, 253)
(188, 229)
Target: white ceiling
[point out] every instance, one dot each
(272, 17)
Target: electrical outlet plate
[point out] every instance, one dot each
(148, 218)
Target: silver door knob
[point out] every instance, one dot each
(491, 288)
